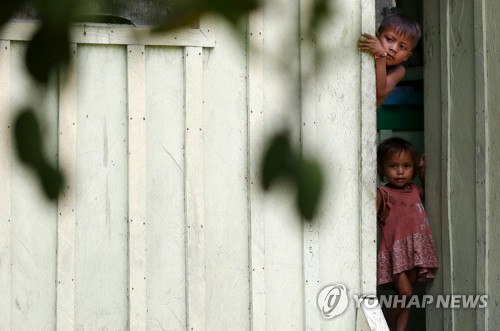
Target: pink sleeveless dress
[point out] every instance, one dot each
(405, 237)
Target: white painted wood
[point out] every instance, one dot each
(33, 219)
(283, 227)
(66, 220)
(137, 186)
(311, 256)
(101, 234)
(373, 314)
(368, 162)
(207, 28)
(119, 34)
(256, 204)
(339, 109)
(5, 183)
(166, 219)
(195, 232)
(163, 140)
(225, 137)
(361, 322)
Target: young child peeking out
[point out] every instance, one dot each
(406, 252)
(396, 38)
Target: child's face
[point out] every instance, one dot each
(398, 169)
(398, 47)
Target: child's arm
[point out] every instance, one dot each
(386, 80)
(421, 175)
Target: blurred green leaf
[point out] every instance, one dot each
(310, 188)
(28, 138)
(51, 179)
(47, 50)
(278, 161)
(281, 162)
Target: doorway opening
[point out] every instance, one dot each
(402, 115)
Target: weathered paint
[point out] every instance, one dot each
(107, 34)
(166, 227)
(226, 208)
(163, 223)
(195, 193)
(137, 173)
(257, 227)
(5, 180)
(491, 159)
(311, 230)
(101, 234)
(33, 222)
(460, 115)
(66, 221)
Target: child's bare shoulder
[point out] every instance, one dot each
(397, 68)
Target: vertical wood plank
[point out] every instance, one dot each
(194, 188)
(5, 184)
(462, 120)
(447, 238)
(137, 186)
(281, 110)
(372, 319)
(33, 217)
(481, 201)
(66, 220)
(225, 178)
(492, 159)
(338, 86)
(433, 151)
(312, 319)
(255, 140)
(368, 161)
(166, 227)
(207, 26)
(368, 173)
(101, 234)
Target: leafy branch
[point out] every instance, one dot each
(48, 53)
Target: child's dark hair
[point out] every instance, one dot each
(402, 24)
(395, 145)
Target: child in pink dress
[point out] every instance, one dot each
(406, 250)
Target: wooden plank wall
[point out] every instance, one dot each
(491, 150)
(162, 223)
(461, 102)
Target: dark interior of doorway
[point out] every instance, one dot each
(402, 115)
